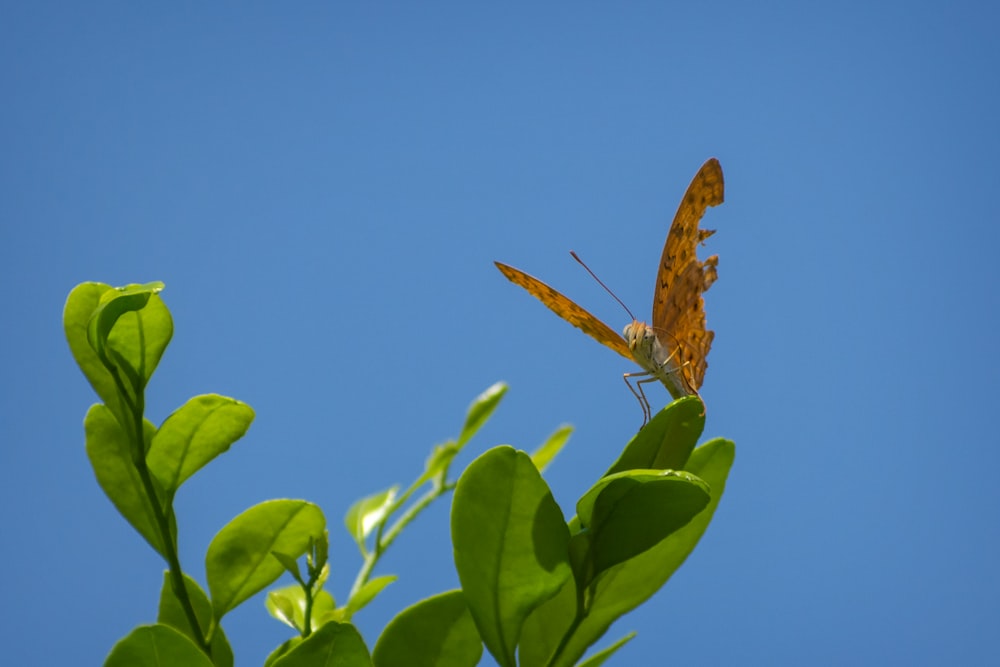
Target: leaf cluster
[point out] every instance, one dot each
(537, 589)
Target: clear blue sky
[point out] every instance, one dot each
(324, 187)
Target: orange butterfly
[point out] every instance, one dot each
(674, 348)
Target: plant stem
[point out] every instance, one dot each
(161, 517)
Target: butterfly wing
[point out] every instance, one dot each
(678, 307)
(567, 310)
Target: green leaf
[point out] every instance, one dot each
(156, 646)
(480, 410)
(284, 648)
(543, 456)
(80, 305)
(366, 513)
(196, 433)
(288, 605)
(239, 561)
(634, 510)
(105, 332)
(113, 305)
(367, 593)
(510, 542)
(629, 584)
(434, 632)
(172, 613)
(290, 564)
(333, 645)
(601, 657)
(110, 454)
(666, 442)
(438, 462)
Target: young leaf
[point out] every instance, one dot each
(629, 584)
(510, 542)
(480, 410)
(128, 332)
(367, 593)
(600, 657)
(288, 605)
(365, 514)
(290, 564)
(666, 442)
(543, 456)
(171, 613)
(239, 561)
(113, 305)
(438, 462)
(80, 305)
(333, 645)
(156, 646)
(435, 631)
(196, 433)
(110, 454)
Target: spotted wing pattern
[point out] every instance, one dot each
(678, 306)
(567, 309)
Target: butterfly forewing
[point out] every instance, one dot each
(678, 307)
(567, 309)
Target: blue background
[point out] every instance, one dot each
(324, 187)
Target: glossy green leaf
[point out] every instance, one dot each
(548, 450)
(629, 584)
(438, 631)
(288, 605)
(80, 306)
(666, 442)
(239, 561)
(156, 646)
(365, 514)
(110, 454)
(634, 510)
(172, 613)
(602, 656)
(368, 592)
(333, 645)
(104, 332)
(510, 542)
(114, 304)
(193, 435)
(480, 410)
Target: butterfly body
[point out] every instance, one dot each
(673, 349)
(655, 359)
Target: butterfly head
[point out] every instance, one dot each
(659, 360)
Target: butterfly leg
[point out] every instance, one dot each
(640, 395)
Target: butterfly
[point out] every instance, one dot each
(673, 349)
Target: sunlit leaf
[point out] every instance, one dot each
(548, 450)
(193, 435)
(480, 410)
(332, 645)
(239, 562)
(110, 454)
(365, 514)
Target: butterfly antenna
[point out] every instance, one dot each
(601, 283)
